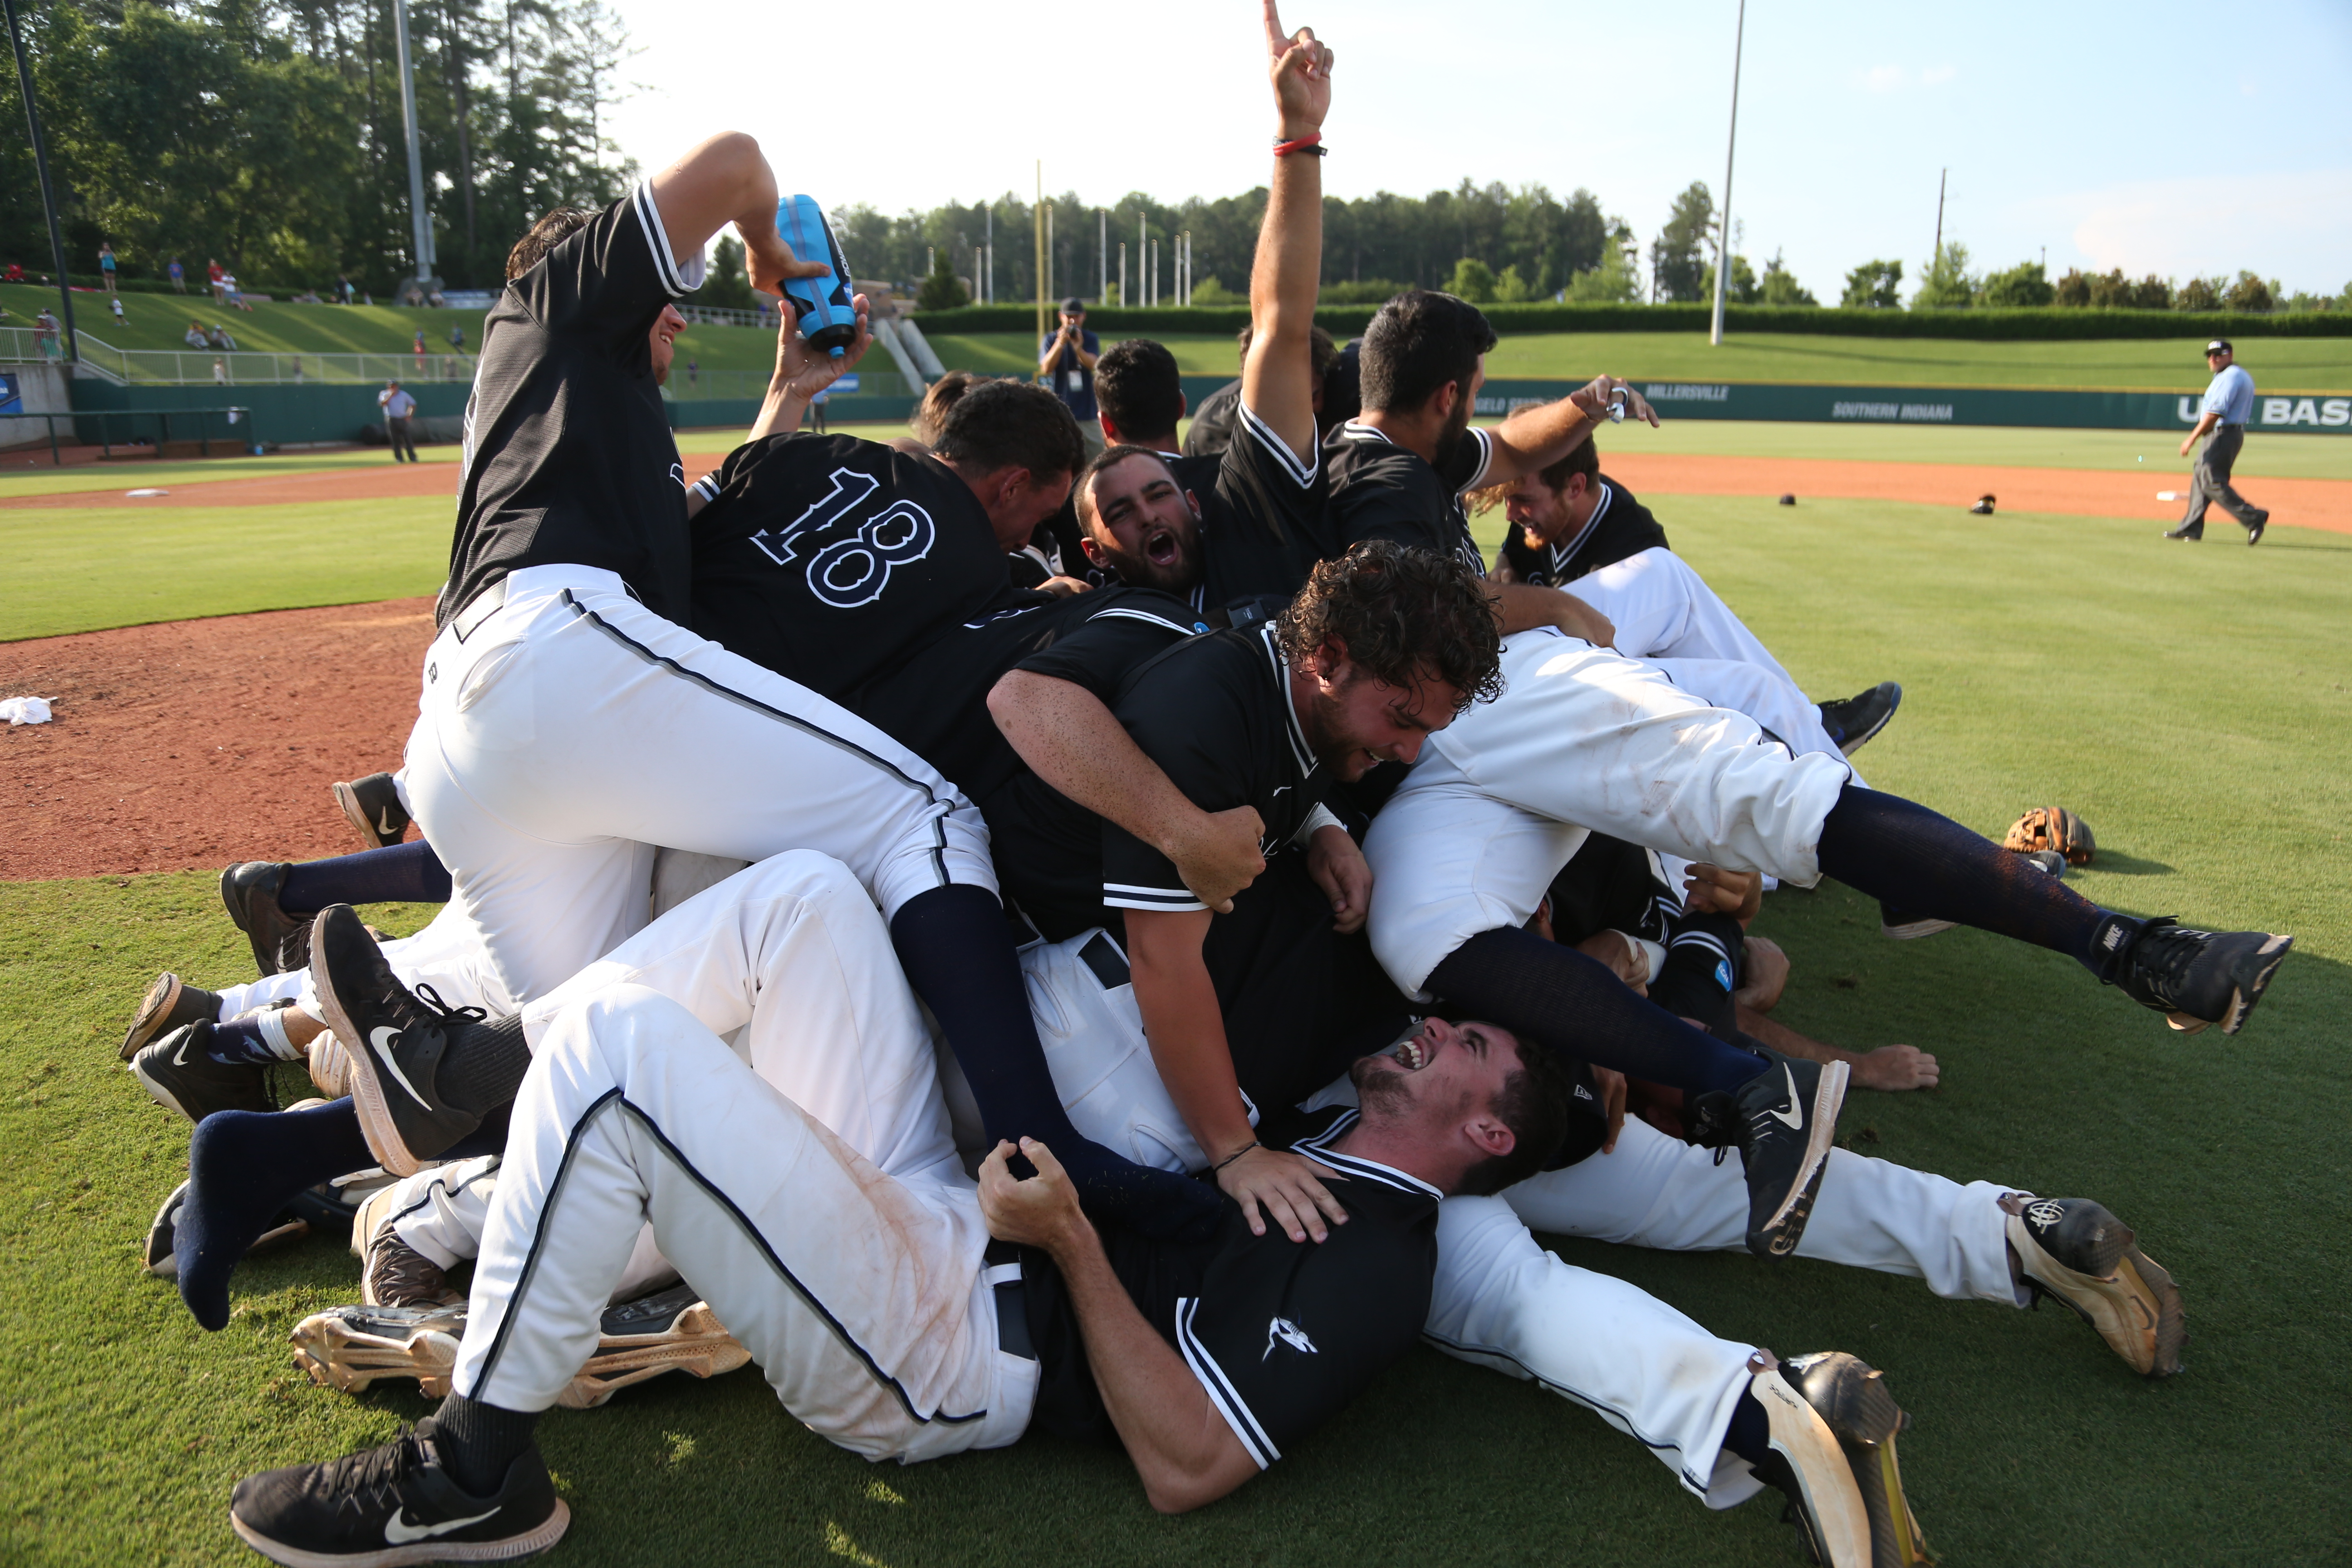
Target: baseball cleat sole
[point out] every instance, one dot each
(351, 1347)
(1853, 1402)
(1912, 931)
(2124, 1294)
(169, 1003)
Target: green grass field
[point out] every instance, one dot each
(2279, 364)
(2190, 703)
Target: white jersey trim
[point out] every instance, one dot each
(1300, 752)
(1220, 1390)
(658, 240)
(1319, 1148)
(1302, 471)
(1128, 896)
(1132, 614)
(1561, 554)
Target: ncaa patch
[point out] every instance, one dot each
(1723, 973)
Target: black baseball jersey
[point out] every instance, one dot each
(1281, 1334)
(1213, 422)
(936, 702)
(568, 454)
(830, 560)
(1216, 713)
(1620, 526)
(1262, 522)
(1379, 490)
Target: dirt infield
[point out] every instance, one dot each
(390, 481)
(169, 746)
(2074, 492)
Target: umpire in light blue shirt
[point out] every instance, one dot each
(2229, 404)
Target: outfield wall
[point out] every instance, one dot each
(286, 414)
(2031, 406)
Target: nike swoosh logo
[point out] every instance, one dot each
(384, 824)
(180, 1057)
(382, 1036)
(398, 1531)
(1794, 1116)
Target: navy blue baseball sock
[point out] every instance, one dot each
(1916, 860)
(1555, 995)
(1749, 1435)
(243, 1167)
(246, 1167)
(241, 1042)
(406, 873)
(957, 950)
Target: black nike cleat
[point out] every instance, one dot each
(2187, 533)
(372, 805)
(1855, 719)
(2074, 1249)
(158, 1257)
(384, 1507)
(169, 1003)
(1784, 1122)
(2198, 978)
(396, 1038)
(282, 944)
(179, 1072)
(2254, 529)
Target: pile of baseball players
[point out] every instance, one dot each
(1140, 1006)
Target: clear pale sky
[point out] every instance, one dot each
(2159, 137)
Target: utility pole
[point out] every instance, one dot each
(419, 220)
(988, 286)
(1102, 256)
(1730, 144)
(1038, 224)
(1937, 259)
(48, 196)
(1126, 301)
(1142, 258)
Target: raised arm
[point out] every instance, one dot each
(726, 179)
(1182, 1449)
(1278, 375)
(801, 372)
(1075, 743)
(1538, 437)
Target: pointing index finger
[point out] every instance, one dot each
(1277, 42)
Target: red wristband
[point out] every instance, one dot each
(1311, 143)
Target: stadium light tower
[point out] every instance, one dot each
(41, 166)
(420, 222)
(1731, 143)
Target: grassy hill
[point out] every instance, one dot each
(2279, 364)
(157, 320)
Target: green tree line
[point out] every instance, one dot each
(269, 134)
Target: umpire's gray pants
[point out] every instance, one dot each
(2210, 481)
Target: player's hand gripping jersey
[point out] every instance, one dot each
(829, 559)
(568, 456)
(1282, 1334)
(1379, 490)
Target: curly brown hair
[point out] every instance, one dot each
(1404, 615)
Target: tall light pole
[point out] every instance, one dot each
(1731, 143)
(1037, 216)
(419, 220)
(41, 166)
(1102, 256)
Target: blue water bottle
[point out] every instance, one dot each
(827, 315)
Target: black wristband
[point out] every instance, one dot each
(1236, 1154)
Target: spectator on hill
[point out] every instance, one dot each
(218, 338)
(117, 303)
(1066, 358)
(15, 273)
(457, 340)
(220, 373)
(47, 336)
(693, 371)
(420, 344)
(215, 274)
(106, 263)
(346, 291)
(179, 275)
(398, 406)
(195, 336)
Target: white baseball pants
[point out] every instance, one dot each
(861, 1292)
(1581, 738)
(572, 729)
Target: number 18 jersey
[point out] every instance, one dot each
(829, 559)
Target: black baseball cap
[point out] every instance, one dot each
(2219, 346)
(1073, 306)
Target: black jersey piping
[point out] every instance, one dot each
(614, 1098)
(938, 848)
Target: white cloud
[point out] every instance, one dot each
(1883, 78)
(1935, 76)
(2295, 226)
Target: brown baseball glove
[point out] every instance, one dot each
(2052, 828)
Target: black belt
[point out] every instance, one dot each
(1012, 1303)
(479, 608)
(1102, 955)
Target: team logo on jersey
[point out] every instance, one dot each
(1283, 1332)
(849, 556)
(1723, 973)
